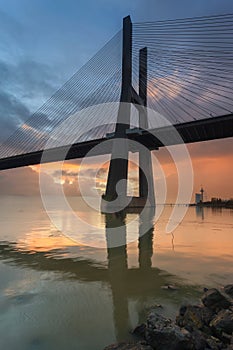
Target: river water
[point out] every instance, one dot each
(58, 294)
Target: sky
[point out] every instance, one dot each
(44, 42)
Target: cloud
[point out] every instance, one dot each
(25, 82)
(23, 182)
(214, 149)
(65, 173)
(85, 177)
(212, 163)
(151, 10)
(12, 113)
(11, 32)
(28, 78)
(211, 149)
(25, 85)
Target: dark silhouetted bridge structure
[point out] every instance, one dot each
(183, 69)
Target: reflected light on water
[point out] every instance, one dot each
(54, 292)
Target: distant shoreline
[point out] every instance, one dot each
(225, 205)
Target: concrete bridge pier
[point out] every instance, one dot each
(116, 188)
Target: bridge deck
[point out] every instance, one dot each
(194, 131)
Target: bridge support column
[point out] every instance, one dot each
(116, 188)
(118, 169)
(146, 183)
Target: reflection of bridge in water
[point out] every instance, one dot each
(142, 282)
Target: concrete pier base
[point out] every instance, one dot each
(132, 204)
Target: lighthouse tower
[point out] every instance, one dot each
(202, 194)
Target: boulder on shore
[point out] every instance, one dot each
(215, 301)
(229, 290)
(223, 322)
(194, 317)
(197, 327)
(163, 334)
(129, 346)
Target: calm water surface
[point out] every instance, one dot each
(58, 294)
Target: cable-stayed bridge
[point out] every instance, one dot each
(182, 69)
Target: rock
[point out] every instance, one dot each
(223, 322)
(129, 346)
(214, 343)
(229, 290)
(194, 317)
(215, 301)
(206, 315)
(156, 306)
(209, 326)
(226, 338)
(163, 334)
(199, 340)
(169, 287)
(182, 310)
(140, 330)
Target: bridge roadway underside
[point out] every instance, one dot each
(190, 132)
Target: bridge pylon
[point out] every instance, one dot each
(116, 188)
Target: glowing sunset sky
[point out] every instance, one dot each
(212, 166)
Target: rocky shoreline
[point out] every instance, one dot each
(197, 327)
